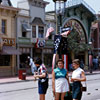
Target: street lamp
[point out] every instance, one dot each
(90, 57)
(59, 12)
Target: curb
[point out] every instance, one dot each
(27, 80)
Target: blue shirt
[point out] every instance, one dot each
(60, 73)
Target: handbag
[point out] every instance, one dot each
(84, 87)
(68, 96)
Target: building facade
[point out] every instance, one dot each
(79, 15)
(31, 30)
(8, 49)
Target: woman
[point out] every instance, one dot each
(60, 82)
(78, 76)
(43, 78)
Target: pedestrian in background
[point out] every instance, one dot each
(33, 67)
(78, 76)
(60, 81)
(43, 78)
(95, 63)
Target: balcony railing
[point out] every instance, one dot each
(49, 43)
(24, 40)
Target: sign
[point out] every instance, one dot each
(9, 41)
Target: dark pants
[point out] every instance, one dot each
(76, 90)
(42, 87)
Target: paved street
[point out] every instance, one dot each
(27, 90)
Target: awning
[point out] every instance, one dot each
(25, 28)
(38, 21)
(9, 50)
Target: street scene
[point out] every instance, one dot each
(49, 50)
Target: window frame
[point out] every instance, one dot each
(40, 28)
(34, 31)
(4, 27)
(5, 60)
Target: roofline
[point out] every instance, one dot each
(9, 8)
(74, 3)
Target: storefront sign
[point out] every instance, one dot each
(8, 41)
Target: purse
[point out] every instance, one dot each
(68, 96)
(84, 87)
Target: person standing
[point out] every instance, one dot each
(33, 67)
(42, 78)
(60, 81)
(78, 76)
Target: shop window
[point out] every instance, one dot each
(23, 34)
(34, 31)
(5, 60)
(40, 31)
(4, 26)
(48, 62)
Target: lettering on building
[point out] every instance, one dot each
(8, 41)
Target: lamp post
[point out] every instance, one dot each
(90, 57)
(59, 12)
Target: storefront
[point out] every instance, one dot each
(45, 52)
(8, 57)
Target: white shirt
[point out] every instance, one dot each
(33, 67)
(77, 73)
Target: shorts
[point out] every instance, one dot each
(42, 87)
(61, 85)
(76, 90)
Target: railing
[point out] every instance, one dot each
(49, 43)
(24, 40)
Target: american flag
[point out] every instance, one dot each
(57, 40)
(40, 43)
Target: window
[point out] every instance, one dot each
(23, 34)
(5, 60)
(34, 31)
(4, 26)
(41, 32)
(50, 37)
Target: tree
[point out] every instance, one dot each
(76, 44)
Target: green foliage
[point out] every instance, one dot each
(75, 43)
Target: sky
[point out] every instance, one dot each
(94, 4)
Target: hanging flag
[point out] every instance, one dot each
(41, 43)
(66, 31)
(65, 59)
(36, 45)
(49, 31)
(57, 40)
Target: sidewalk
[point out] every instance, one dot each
(31, 78)
(8, 80)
